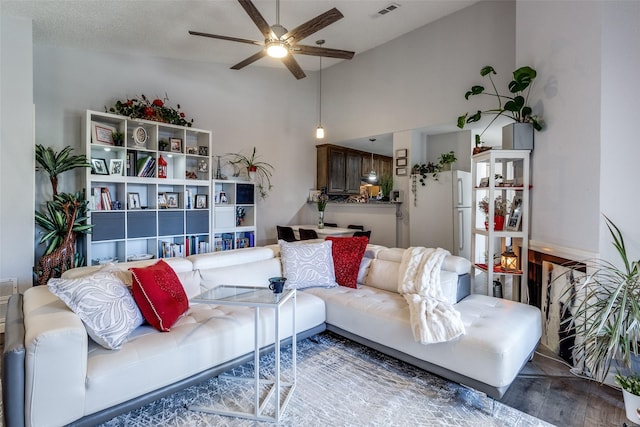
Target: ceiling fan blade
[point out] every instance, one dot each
(291, 63)
(313, 25)
(322, 51)
(256, 17)
(249, 60)
(233, 39)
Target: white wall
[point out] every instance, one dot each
(265, 107)
(619, 147)
(17, 158)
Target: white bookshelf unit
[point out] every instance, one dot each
(487, 244)
(140, 207)
(233, 215)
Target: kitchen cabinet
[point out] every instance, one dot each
(341, 170)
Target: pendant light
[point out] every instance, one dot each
(372, 175)
(320, 129)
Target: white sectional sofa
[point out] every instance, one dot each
(54, 374)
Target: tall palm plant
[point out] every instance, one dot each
(53, 220)
(56, 163)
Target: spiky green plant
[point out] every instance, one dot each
(607, 318)
(56, 163)
(53, 221)
(263, 170)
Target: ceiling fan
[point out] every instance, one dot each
(282, 43)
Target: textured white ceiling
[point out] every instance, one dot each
(159, 27)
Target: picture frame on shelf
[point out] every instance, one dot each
(116, 167)
(515, 216)
(402, 152)
(192, 150)
(402, 161)
(401, 171)
(484, 182)
(102, 133)
(203, 150)
(201, 201)
(99, 167)
(172, 200)
(314, 195)
(162, 201)
(133, 201)
(175, 145)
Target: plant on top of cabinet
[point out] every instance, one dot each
(447, 159)
(64, 217)
(147, 109)
(258, 171)
(514, 106)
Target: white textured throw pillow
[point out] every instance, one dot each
(104, 304)
(307, 265)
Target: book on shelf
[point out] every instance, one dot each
(146, 166)
(132, 162)
(171, 250)
(100, 199)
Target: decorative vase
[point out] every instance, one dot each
(320, 219)
(631, 406)
(517, 136)
(498, 223)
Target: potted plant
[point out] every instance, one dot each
(513, 106)
(258, 171)
(446, 160)
(499, 212)
(386, 185)
(606, 319)
(64, 217)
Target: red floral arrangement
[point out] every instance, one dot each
(157, 110)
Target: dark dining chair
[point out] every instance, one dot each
(330, 224)
(286, 234)
(356, 227)
(363, 233)
(306, 234)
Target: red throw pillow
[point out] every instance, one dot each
(159, 295)
(347, 255)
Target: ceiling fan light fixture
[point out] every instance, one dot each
(277, 49)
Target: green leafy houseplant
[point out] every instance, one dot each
(386, 184)
(447, 158)
(630, 383)
(322, 202)
(514, 105)
(55, 221)
(607, 317)
(263, 170)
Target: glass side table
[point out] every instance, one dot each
(257, 297)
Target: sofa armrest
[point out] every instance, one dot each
(56, 345)
(13, 363)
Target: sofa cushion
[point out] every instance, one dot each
(307, 265)
(104, 304)
(159, 294)
(347, 253)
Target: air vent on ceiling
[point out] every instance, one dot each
(390, 8)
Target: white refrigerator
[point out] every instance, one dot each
(441, 215)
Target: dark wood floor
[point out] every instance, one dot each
(547, 390)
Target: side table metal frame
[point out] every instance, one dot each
(275, 384)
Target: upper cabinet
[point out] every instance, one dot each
(341, 170)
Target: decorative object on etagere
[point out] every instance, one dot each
(147, 109)
(323, 198)
(513, 106)
(509, 260)
(499, 212)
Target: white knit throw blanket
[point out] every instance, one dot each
(432, 318)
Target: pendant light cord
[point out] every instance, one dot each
(320, 94)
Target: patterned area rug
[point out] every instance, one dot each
(339, 383)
